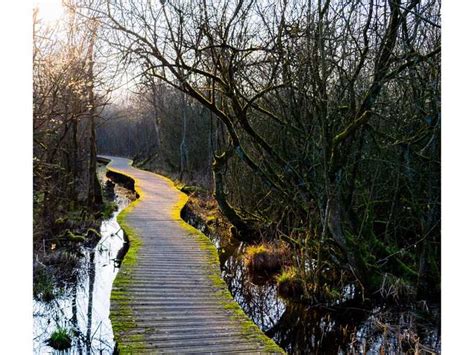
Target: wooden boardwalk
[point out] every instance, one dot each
(168, 296)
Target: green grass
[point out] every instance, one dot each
(108, 209)
(60, 339)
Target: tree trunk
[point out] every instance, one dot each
(244, 231)
(183, 149)
(156, 121)
(94, 197)
(354, 259)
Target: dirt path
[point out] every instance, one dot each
(168, 296)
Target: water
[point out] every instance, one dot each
(299, 329)
(340, 328)
(85, 305)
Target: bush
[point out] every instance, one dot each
(265, 260)
(290, 286)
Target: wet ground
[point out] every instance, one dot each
(84, 307)
(299, 329)
(342, 328)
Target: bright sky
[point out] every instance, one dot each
(49, 10)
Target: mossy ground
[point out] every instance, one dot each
(248, 328)
(290, 285)
(287, 275)
(121, 313)
(121, 298)
(257, 249)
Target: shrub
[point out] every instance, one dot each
(290, 286)
(60, 339)
(265, 259)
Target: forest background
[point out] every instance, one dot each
(16, 174)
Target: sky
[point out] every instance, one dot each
(52, 12)
(49, 10)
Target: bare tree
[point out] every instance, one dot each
(310, 94)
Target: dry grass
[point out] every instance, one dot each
(266, 259)
(290, 285)
(396, 289)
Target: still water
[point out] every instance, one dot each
(340, 328)
(299, 329)
(85, 306)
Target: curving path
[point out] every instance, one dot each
(168, 296)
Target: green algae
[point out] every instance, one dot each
(121, 313)
(248, 329)
(121, 298)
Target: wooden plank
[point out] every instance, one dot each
(170, 299)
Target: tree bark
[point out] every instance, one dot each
(244, 230)
(94, 197)
(183, 148)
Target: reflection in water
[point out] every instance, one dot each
(91, 300)
(85, 306)
(261, 303)
(342, 328)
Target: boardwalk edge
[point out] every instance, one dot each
(121, 313)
